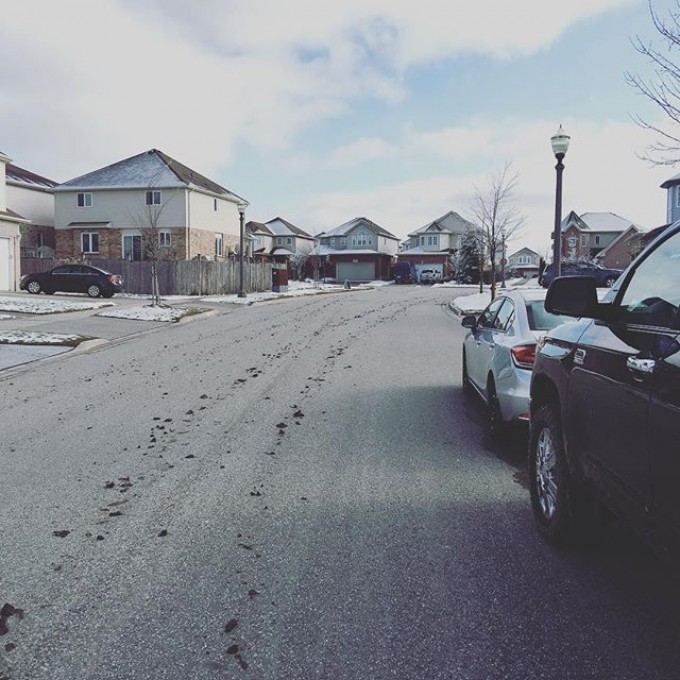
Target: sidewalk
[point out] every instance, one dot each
(21, 333)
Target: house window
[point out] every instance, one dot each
(677, 196)
(584, 240)
(89, 242)
(279, 240)
(218, 245)
(289, 241)
(422, 240)
(343, 241)
(85, 200)
(332, 243)
(215, 204)
(363, 240)
(597, 240)
(153, 197)
(164, 239)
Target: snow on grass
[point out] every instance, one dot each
(295, 289)
(36, 338)
(30, 306)
(7, 316)
(151, 313)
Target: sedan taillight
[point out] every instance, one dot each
(524, 355)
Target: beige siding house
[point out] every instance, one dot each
(111, 212)
(32, 196)
(10, 235)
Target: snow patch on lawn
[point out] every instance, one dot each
(150, 313)
(295, 289)
(10, 304)
(36, 338)
(7, 316)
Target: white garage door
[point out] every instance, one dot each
(355, 271)
(5, 275)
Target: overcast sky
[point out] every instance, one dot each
(319, 112)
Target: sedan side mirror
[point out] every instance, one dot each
(469, 322)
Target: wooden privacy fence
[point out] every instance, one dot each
(176, 277)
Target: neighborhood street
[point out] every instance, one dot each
(292, 490)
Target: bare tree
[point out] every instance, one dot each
(664, 90)
(148, 220)
(496, 216)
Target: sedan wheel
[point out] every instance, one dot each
(467, 385)
(94, 291)
(494, 415)
(33, 287)
(609, 281)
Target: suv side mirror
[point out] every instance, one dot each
(469, 322)
(574, 296)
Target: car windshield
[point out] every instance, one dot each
(541, 320)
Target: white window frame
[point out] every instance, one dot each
(343, 240)
(84, 199)
(153, 197)
(89, 235)
(677, 196)
(164, 239)
(219, 245)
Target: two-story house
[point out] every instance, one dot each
(32, 196)
(589, 235)
(359, 250)
(432, 246)
(114, 211)
(10, 235)
(524, 262)
(278, 240)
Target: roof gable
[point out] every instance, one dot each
(151, 168)
(348, 227)
(282, 227)
(451, 223)
(19, 176)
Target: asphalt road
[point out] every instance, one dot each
(296, 490)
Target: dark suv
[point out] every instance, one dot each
(605, 401)
(604, 277)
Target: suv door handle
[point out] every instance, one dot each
(645, 366)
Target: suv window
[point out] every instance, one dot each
(652, 294)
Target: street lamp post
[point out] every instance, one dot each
(241, 214)
(503, 260)
(560, 144)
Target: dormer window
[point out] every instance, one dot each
(85, 200)
(153, 197)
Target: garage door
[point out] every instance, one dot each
(5, 276)
(355, 271)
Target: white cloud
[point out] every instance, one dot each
(94, 82)
(602, 174)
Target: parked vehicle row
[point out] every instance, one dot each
(604, 277)
(600, 389)
(73, 278)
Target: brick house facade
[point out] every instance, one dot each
(114, 212)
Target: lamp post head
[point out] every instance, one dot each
(242, 208)
(560, 142)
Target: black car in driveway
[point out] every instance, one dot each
(605, 402)
(604, 278)
(73, 278)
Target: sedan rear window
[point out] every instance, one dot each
(541, 320)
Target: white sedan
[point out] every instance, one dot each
(499, 352)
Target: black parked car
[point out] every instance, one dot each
(73, 278)
(605, 401)
(604, 278)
